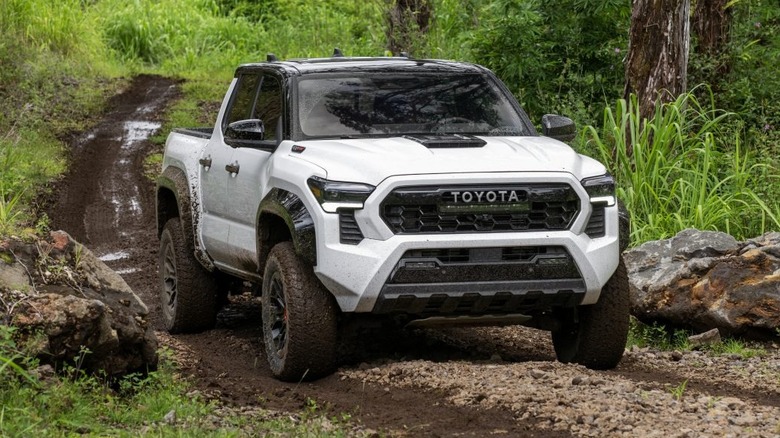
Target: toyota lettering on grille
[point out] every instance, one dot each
(487, 196)
(484, 201)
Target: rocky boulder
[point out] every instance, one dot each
(68, 306)
(703, 280)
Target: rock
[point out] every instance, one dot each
(75, 308)
(580, 380)
(170, 417)
(709, 337)
(704, 279)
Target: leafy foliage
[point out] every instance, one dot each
(681, 173)
(561, 56)
(745, 76)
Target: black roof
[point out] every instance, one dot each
(295, 67)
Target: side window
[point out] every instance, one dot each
(244, 99)
(269, 106)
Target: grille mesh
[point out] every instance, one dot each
(430, 210)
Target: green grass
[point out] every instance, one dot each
(743, 349)
(664, 338)
(687, 170)
(679, 391)
(72, 403)
(656, 336)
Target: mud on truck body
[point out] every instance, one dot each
(396, 188)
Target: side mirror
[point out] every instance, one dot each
(245, 133)
(558, 127)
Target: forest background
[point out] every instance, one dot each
(707, 159)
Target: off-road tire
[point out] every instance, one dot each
(299, 318)
(188, 292)
(595, 335)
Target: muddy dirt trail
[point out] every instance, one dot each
(458, 382)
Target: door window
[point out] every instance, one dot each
(244, 99)
(257, 97)
(269, 106)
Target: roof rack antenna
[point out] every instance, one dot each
(271, 58)
(337, 53)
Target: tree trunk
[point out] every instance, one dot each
(408, 22)
(659, 42)
(711, 25)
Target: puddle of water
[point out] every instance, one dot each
(146, 109)
(135, 206)
(127, 271)
(138, 131)
(119, 255)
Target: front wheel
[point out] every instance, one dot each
(299, 318)
(595, 335)
(188, 293)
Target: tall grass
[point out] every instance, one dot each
(10, 210)
(686, 170)
(28, 161)
(59, 26)
(200, 38)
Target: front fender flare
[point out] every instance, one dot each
(290, 208)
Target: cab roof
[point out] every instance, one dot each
(297, 67)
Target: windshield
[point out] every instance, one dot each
(363, 105)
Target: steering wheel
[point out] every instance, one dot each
(450, 120)
(506, 131)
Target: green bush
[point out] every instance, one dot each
(558, 56)
(687, 170)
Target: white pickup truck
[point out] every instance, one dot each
(410, 190)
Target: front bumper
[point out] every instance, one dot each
(360, 276)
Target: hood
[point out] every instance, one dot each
(373, 160)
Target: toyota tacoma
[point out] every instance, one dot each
(410, 190)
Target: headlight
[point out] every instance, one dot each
(601, 189)
(333, 195)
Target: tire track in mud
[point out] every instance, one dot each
(105, 202)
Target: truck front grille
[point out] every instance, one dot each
(493, 208)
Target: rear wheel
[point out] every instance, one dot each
(188, 293)
(595, 335)
(299, 318)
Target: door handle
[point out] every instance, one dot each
(232, 168)
(205, 162)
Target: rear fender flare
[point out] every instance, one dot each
(175, 181)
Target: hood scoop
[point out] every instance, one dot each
(447, 141)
